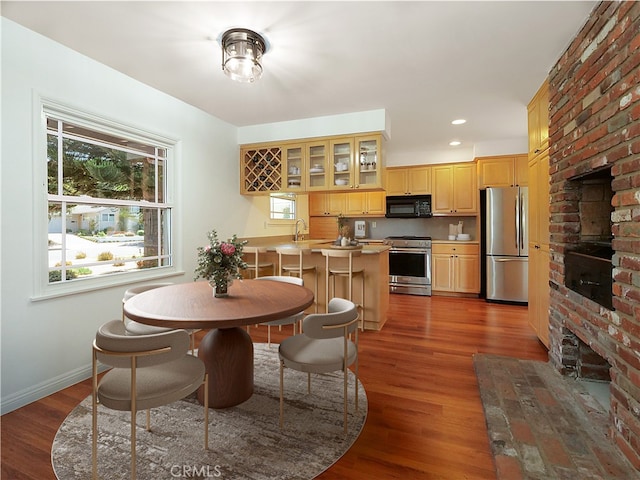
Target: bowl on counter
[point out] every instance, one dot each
(464, 236)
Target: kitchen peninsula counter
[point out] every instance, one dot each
(374, 259)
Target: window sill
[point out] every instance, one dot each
(91, 285)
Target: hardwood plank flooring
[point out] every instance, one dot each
(425, 416)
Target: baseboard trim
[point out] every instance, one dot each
(43, 389)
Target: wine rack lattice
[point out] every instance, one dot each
(263, 170)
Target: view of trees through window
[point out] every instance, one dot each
(106, 199)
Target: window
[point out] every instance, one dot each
(107, 199)
(283, 206)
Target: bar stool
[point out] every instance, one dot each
(298, 269)
(136, 328)
(257, 265)
(347, 272)
(294, 319)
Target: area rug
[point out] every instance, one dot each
(545, 426)
(245, 441)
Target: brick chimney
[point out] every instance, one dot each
(595, 124)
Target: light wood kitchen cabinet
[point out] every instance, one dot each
(538, 118)
(317, 170)
(356, 162)
(326, 204)
(369, 169)
(341, 163)
(365, 203)
(455, 268)
(261, 169)
(455, 189)
(539, 237)
(539, 252)
(503, 171)
(408, 181)
(293, 168)
(539, 292)
(539, 199)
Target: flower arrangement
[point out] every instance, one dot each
(219, 262)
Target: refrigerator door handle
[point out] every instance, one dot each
(517, 222)
(522, 223)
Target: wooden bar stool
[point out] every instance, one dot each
(347, 272)
(298, 269)
(257, 265)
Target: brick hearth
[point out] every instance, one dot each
(595, 124)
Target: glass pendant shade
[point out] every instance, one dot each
(242, 52)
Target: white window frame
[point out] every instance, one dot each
(42, 289)
(288, 196)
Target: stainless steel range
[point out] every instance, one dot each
(409, 265)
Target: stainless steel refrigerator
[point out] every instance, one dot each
(507, 241)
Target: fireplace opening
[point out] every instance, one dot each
(588, 266)
(586, 366)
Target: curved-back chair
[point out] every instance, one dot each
(324, 346)
(290, 320)
(148, 371)
(136, 328)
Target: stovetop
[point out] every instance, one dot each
(408, 241)
(407, 237)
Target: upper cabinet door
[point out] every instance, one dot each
(408, 181)
(293, 168)
(538, 119)
(318, 168)
(455, 189)
(502, 171)
(397, 181)
(342, 163)
(368, 163)
(496, 172)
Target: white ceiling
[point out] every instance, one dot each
(426, 63)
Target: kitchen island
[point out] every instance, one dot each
(374, 259)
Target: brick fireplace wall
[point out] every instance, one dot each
(595, 124)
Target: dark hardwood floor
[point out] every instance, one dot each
(425, 417)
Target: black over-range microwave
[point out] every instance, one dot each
(408, 206)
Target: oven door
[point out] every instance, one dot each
(410, 270)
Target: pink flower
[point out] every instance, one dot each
(207, 248)
(227, 249)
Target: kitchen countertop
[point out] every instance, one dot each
(315, 245)
(456, 241)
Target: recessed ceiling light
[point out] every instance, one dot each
(455, 143)
(459, 121)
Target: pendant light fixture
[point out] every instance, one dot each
(242, 52)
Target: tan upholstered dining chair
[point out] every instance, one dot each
(290, 320)
(148, 371)
(136, 328)
(324, 346)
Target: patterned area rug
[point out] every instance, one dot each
(245, 441)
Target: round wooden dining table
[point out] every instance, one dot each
(227, 349)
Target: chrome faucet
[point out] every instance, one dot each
(304, 226)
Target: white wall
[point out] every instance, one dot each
(344, 124)
(46, 344)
